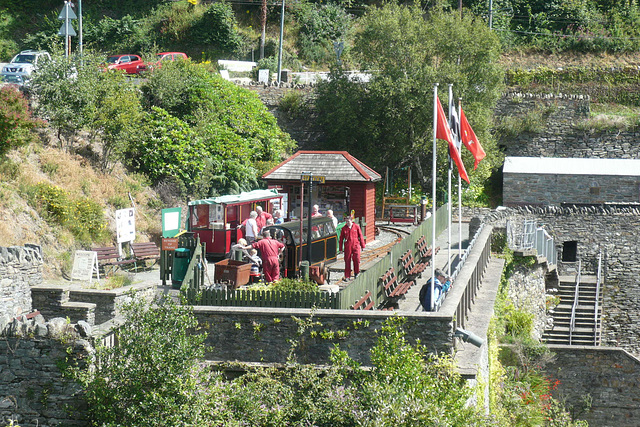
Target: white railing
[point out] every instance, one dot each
(576, 297)
(529, 236)
(596, 318)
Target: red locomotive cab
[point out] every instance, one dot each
(218, 221)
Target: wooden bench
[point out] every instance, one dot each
(144, 251)
(109, 257)
(365, 303)
(426, 253)
(409, 265)
(393, 288)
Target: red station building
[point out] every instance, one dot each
(348, 185)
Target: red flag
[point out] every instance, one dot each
(443, 132)
(470, 140)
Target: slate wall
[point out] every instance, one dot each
(614, 230)
(20, 268)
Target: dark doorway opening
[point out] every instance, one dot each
(570, 251)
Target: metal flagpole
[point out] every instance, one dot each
(459, 190)
(433, 190)
(449, 205)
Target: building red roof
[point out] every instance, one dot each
(333, 165)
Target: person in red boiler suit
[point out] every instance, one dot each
(269, 252)
(351, 236)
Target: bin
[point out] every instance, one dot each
(181, 260)
(234, 272)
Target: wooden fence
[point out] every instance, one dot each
(368, 280)
(262, 298)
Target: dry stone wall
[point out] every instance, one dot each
(33, 391)
(561, 135)
(20, 268)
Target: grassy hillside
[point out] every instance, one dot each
(22, 219)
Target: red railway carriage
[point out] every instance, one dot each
(216, 220)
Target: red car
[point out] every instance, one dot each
(128, 63)
(162, 57)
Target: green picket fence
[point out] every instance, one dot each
(262, 298)
(370, 280)
(367, 281)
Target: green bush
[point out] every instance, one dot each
(16, 121)
(82, 216)
(152, 377)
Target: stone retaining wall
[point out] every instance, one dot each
(615, 231)
(20, 268)
(608, 377)
(33, 392)
(562, 134)
(262, 334)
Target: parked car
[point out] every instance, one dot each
(23, 65)
(162, 57)
(128, 63)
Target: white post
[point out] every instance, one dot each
(449, 205)
(433, 190)
(459, 194)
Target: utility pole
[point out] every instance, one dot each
(281, 36)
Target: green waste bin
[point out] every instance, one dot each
(181, 259)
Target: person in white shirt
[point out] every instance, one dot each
(251, 227)
(333, 218)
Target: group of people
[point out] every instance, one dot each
(351, 241)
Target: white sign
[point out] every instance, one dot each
(126, 225)
(263, 76)
(85, 263)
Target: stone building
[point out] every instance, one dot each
(553, 181)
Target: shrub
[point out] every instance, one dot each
(152, 377)
(15, 119)
(83, 216)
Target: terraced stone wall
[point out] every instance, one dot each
(613, 230)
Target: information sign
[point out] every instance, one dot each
(312, 178)
(171, 218)
(126, 225)
(85, 263)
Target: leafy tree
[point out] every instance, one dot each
(76, 95)
(320, 26)
(242, 138)
(167, 148)
(16, 121)
(405, 54)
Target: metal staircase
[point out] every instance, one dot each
(577, 318)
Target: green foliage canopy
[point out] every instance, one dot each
(241, 137)
(388, 121)
(16, 121)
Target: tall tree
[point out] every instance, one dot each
(388, 121)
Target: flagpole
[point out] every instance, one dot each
(459, 192)
(449, 204)
(433, 191)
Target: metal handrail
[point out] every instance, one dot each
(576, 297)
(595, 314)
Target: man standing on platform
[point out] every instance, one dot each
(262, 217)
(351, 236)
(269, 252)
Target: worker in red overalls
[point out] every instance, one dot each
(269, 252)
(351, 235)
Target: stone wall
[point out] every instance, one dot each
(33, 392)
(20, 268)
(548, 189)
(608, 377)
(262, 334)
(615, 231)
(527, 291)
(301, 125)
(560, 135)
